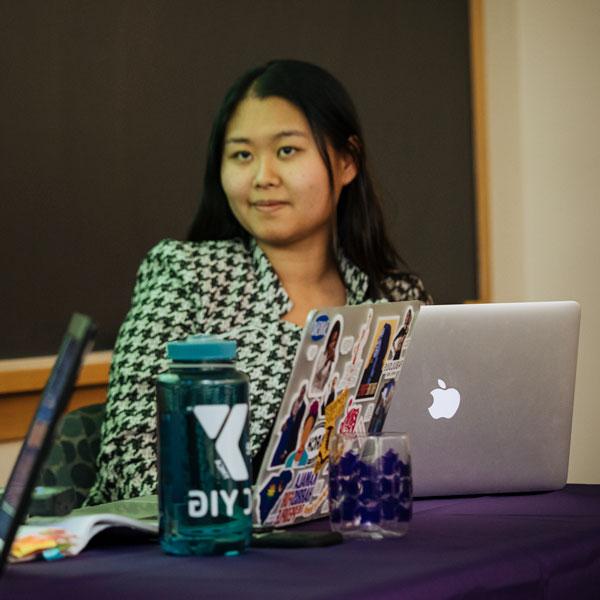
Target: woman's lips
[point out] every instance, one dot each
(268, 205)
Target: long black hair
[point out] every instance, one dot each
(332, 118)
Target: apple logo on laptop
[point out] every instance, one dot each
(445, 401)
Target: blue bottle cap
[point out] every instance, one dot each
(201, 347)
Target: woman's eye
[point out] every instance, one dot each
(286, 151)
(241, 155)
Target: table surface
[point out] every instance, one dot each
(543, 545)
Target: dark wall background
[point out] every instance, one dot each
(105, 112)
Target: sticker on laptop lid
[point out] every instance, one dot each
(293, 501)
(326, 359)
(333, 411)
(350, 420)
(314, 443)
(381, 407)
(319, 328)
(319, 501)
(311, 352)
(271, 493)
(398, 346)
(300, 456)
(365, 329)
(346, 345)
(353, 367)
(351, 374)
(378, 353)
(291, 428)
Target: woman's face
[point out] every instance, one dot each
(299, 400)
(274, 177)
(308, 425)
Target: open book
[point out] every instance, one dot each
(58, 537)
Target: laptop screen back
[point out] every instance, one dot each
(55, 397)
(486, 395)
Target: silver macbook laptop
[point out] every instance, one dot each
(486, 394)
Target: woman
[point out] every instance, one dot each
(398, 343)
(326, 360)
(372, 374)
(288, 438)
(300, 457)
(288, 220)
(381, 407)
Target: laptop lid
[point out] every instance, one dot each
(14, 503)
(486, 395)
(346, 358)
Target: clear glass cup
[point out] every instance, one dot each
(370, 485)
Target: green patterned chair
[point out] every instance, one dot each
(72, 458)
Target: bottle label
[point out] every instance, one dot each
(200, 503)
(226, 424)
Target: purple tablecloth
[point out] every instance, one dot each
(520, 546)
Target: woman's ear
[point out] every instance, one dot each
(349, 160)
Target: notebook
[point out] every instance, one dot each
(55, 397)
(346, 366)
(486, 395)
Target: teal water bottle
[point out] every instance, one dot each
(205, 497)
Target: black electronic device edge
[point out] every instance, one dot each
(55, 397)
(285, 538)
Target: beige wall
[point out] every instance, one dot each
(8, 456)
(542, 63)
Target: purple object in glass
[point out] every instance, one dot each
(366, 470)
(334, 489)
(407, 490)
(389, 462)
(370, 513)
(350, 487)
(334, 470)
(369, 491)
(389, 507)
(347, 464)
(403, 469)
(348, 509)
(385, 486)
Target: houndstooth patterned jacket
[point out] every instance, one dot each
(222, 288)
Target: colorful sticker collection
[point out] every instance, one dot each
(348, 390)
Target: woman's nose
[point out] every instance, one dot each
(266, 173)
